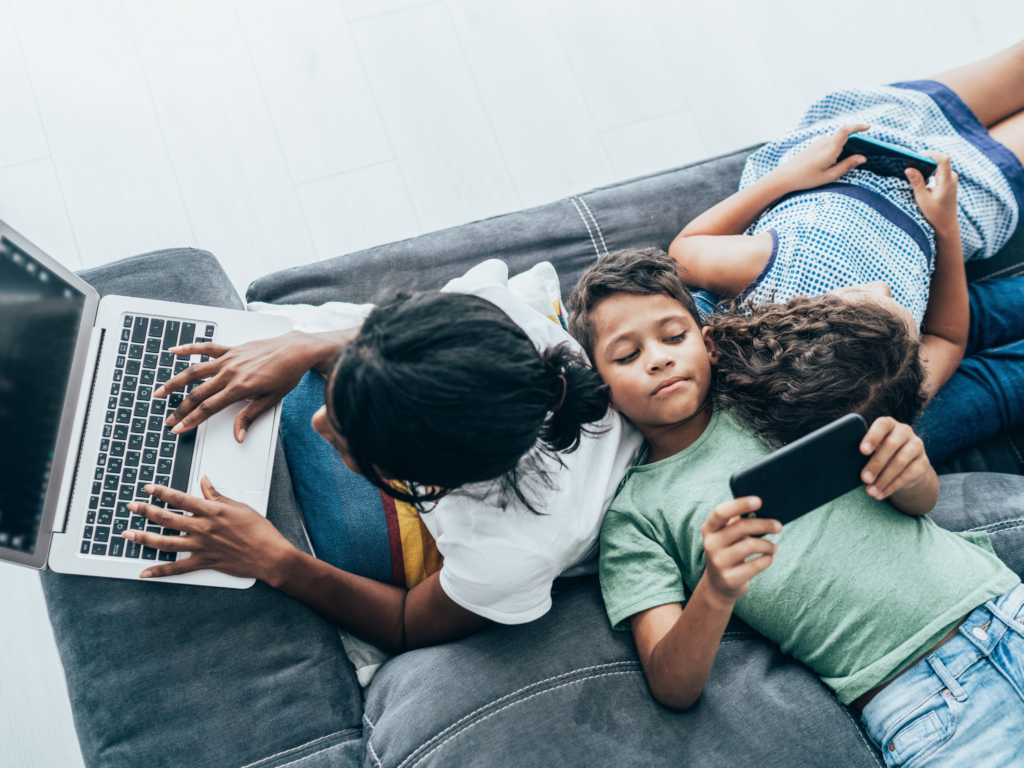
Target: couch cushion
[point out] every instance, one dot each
(566, 690)
(162, 674)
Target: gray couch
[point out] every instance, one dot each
(163, 675)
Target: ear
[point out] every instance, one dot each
(708, 334)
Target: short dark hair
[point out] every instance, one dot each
(788, 369)
(442, 390)
(645, 272)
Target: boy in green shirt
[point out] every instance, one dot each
(860, 589)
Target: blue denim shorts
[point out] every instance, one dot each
(964, 703)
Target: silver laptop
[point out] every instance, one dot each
(81, 432)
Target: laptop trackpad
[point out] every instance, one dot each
(234, 467)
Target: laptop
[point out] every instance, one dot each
(81, 432)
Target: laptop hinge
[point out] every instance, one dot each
(75, 444)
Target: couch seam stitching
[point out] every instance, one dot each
(373, 754)
(311, 754)
(369, 722)
(478, 710)
(1013, 446)
(293, 749)
(1016, 522)
(587, 225)
(520, 701)
(596, 225)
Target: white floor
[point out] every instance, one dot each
(278, 133)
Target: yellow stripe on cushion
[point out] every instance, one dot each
(418, 548)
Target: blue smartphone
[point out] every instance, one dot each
(886, 159)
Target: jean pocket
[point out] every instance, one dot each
(922, 731)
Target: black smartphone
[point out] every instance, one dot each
(886, 159)
(807, 473)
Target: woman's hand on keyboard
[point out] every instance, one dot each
(223, 534)
(262, 371)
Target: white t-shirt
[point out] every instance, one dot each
(500, 563)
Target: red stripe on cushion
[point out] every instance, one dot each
(394, 540)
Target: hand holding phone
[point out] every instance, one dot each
(809, 472)
(898, 459)
(885, 159)
(730, 536)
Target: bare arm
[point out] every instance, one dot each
(677, 644)
(947, 316)
(231, 537)
(712, 248)
(262, 371)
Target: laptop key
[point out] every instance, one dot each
(126, 334)
(149, 456)
(158, 407)
(112, 402)
(90, 518)
(133, 550)
(122, 510)
(149, 361)
(105, 516)
(107, 430)
(94, 502)
(140, 491)
(87, 533)
(162, 375)
(162, 480)
(119, 364)
(171, 334)
(108, 499)
(139, 329)
(98, 475)
(209, 331)
(135, 443)
(188, 333)
(110, 484)
(146, 474)
(179, 367)
(183, 462)
(168, 557)
(122, 348)
(156, 328)
(141, 408)
(132, 459)
(127, 399)
(167, 450)
(119, 527)
(132, 368)
(114, 465)
(148, 377)
(175, 400)
(128, 321)
(104, 445)
(124, 416)
(153, 346)
(130, 475)
(125, 494)
(130, 383)
(168, 435)
(109, 418)
(137, 523)
(148, 553)
(152, 440)
(102, 533)
(138, 426)
(155, 423)
(135, 352)
(164, 466)
(85, 547)
(97, 487)
(145, 393)
(116, 547)
(99, 549)
(117, 374)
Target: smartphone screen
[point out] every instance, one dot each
(807, 473)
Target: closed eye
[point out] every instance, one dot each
(675, 339)
(628, 358)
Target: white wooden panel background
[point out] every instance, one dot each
(278, 133)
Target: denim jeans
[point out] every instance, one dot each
(964, 703)
(986, 394)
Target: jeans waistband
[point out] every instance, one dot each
(977, 637)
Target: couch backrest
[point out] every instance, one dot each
(570, 233)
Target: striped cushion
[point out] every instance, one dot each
(352, 524)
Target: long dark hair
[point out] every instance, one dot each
(444, 390)
(788, 369)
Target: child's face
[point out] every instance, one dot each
(655, 358)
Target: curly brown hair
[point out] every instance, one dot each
(788, 369)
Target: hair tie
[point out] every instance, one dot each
(565, 388)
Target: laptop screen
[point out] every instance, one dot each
(40, 316)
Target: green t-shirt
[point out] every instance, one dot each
(857, 590)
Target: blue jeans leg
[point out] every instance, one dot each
(986, 394)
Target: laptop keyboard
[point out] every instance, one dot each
(137, 448)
